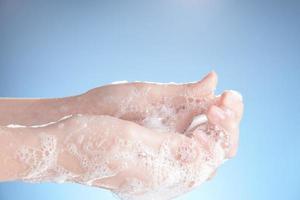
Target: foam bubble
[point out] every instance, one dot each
(15, 126)
(149, 82)
(39, 160)
(155, 123)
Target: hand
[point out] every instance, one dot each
(170, 107)
(135, 161)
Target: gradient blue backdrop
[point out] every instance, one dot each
(59, 48)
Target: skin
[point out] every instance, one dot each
(98, 113)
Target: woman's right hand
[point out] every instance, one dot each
(131, 160)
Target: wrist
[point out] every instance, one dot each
(97, 101)
(12, 140)
(35, 154)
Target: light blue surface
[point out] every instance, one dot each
(59, 48)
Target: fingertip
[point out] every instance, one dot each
(237, 95)
(230, 96)
(233, 101)
(210, 81)
(206, 85)
(213, 75)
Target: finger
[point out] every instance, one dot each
(218, 116)
(233, 101)
(205, 86)
(224, 119)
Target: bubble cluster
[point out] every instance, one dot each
(39, 160)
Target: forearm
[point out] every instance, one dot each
(60, 151)
(36, 111)
(42, 111)
(35, 154)
(11, 142)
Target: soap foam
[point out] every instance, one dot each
(150, 82)
(39, 160)
(38, 126)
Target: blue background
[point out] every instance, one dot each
(60, 48)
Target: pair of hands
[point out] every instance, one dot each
(140, 141)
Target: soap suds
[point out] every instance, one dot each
(15, 126)
(38, 126)
(149, 82)
(119, 82)
(40, 159)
